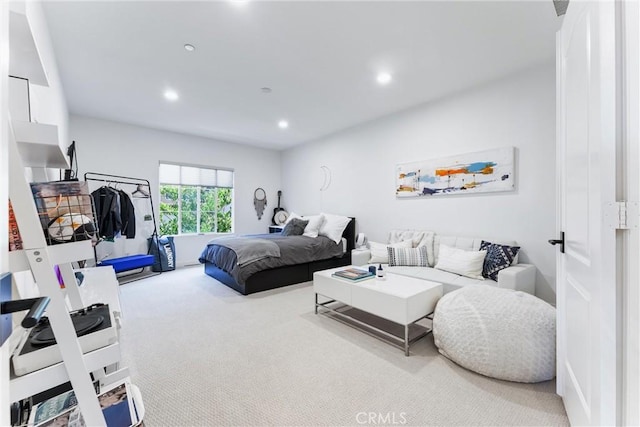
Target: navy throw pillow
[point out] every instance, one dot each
(498, 258)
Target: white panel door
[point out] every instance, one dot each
(586, 282)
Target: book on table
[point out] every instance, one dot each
(353, 274)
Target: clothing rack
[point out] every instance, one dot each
(141, 184)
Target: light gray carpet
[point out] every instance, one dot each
(204, 355)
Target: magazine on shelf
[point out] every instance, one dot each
(15, 240)
(353, 274)
(117, 405)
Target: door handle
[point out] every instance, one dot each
(559, 242)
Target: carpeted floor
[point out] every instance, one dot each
(204, 355)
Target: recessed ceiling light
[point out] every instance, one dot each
(189, 47)
(171, 95)
(283, 124)
(239, 3)
(383, 78)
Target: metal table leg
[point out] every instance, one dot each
(406, 340)
(397, 341)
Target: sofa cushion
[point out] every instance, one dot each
(379, 254)
(460, 261)
(498, 258)
(466, 243)
(450, 281)
(426, 273)
(416, 257)
(462, 281)
(418, 238)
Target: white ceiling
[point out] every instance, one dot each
(319, 58)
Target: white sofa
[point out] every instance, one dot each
(519, 277)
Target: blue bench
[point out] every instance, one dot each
(127, 263)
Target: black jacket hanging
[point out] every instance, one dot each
(107, 211)
(127, 215)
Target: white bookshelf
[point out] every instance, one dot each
(40, 258)
(37, 145)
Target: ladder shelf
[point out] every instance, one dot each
(40, 258)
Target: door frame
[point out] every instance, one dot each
(630, 189)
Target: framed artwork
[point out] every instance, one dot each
(480, 172)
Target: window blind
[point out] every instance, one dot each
(191, 175)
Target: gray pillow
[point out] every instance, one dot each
(295, 227)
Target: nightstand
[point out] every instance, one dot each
(275, 228)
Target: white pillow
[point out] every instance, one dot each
(313, 227)
(379, 253)
(315, 223)
(459, 261)
(333, 226)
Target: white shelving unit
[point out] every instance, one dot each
(100, 285)
(37, 146)
(41, 260)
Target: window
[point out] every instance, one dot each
(195, 200)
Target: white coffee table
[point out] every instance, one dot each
(400, 299)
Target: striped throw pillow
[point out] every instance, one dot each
(414, 257)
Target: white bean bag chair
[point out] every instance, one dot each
(497, 332)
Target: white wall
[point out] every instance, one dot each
(48, 104)
(122, 149)
(515, 111)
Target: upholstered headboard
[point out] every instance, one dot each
(349, 233)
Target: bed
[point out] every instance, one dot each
(300, 257)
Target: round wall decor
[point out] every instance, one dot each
(259, 201)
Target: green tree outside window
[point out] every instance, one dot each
(189, 209)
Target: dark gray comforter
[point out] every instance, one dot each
(293, 250)
(248, 249)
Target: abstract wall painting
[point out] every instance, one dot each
(480, 172)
